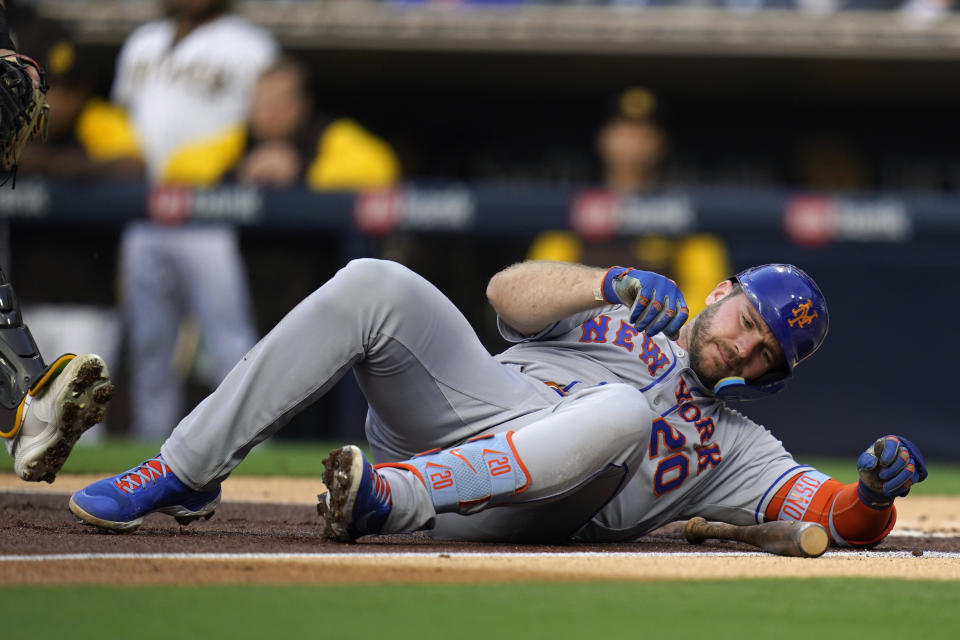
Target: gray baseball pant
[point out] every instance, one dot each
(429, 383)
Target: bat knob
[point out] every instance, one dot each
(813, 540)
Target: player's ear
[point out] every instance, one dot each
(719, 292)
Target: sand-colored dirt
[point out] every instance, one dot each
(440, 568)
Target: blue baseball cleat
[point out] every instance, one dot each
(357, 501)
(121, 502)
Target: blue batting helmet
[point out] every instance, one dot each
(794, 308)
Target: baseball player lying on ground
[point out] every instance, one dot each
(597, 425)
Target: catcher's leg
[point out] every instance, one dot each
(21, 365)
(44, 409)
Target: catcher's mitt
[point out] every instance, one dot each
(23, 109)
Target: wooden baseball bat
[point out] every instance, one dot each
(799, 539)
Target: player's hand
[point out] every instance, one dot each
(272, 164)
(655, 302)
(888, 468)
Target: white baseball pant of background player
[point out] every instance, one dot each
(185, 93)
(169, 273)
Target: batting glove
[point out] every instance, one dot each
(888, 468)
(655, 302)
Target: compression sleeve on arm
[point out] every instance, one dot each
(811, 496)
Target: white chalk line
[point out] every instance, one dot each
(453, 554)
(919, 533)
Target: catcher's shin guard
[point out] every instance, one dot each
(483, 471)
(21, 365)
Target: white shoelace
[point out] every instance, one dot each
(145, 473)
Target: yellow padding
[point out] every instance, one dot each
(203, 163)
(61, 57)
(350, 157)
(52, 371)
(557, 246)
(701, 262)
(105, 132)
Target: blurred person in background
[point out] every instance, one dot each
(86, 136)
(186, 82)
(631, 144)
(287, 143)
(631, 147)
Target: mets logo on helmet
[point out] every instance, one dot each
(801, 315)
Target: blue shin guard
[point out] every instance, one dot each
(481, 472)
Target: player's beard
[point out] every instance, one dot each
(700, 338)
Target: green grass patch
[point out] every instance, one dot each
(944, 478)
(784, 609)
(280, 458)
(303, 459)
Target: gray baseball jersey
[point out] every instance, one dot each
(703, 458)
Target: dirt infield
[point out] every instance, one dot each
(267, 531)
